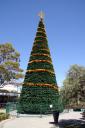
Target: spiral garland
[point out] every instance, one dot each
(41, 28)
(42, 84)
(40, 70)
(39, 41)
(38, 54)
(41, 32)
(41, 37)
(40, 61)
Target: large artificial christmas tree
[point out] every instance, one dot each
(39, 89)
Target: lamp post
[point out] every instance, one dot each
(51, 106)
(40, 111)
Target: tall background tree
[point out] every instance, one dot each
(9, 63)
(73, 91)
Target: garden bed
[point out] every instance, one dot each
(3, 116)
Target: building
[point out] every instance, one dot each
(9, 92)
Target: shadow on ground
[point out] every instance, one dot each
(71, 123)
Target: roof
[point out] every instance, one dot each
(10, 87)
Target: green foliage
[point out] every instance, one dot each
(41, 65)
(40, 51)
(73, 91)
(40, 58)
(9, 63)
(33, 100)
(40, 34)
(40, 77)
(43, 30)
(37, 99)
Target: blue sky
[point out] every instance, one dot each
(65, 27)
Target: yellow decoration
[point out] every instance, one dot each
(42, 28)
(41, 15)
(44, 49)
(39, 40)
(41, 37)
(40, 70)
(39, 84)
(41, 32)
(40, 54)
(40, 61)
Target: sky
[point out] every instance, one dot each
(65, 27)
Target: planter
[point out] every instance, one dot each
(56, 116)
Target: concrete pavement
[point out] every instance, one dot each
(37, 122)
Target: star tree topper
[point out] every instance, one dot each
(41, 15)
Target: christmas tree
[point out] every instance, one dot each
(39, 89)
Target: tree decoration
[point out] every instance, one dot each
(40, 87)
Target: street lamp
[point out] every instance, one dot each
(51, 106)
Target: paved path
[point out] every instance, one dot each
(37, 122)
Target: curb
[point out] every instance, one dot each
(4, 121)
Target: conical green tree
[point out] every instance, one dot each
(39, 89)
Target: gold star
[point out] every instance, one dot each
(41, 15)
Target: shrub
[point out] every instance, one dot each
(3, 116)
